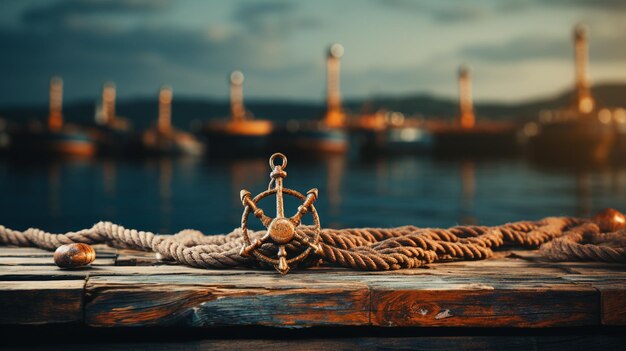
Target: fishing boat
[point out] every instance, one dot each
(581, 132)
(240, 133)
(56, 137)
(113, 132)
(329, 135)
(164, 139)
(466, 136)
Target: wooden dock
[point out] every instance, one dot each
(514, 301)
(128, 288)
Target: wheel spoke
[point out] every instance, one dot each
(265, 238)
(247, 250)
(302, 239)
(246, 200)
(311, 196)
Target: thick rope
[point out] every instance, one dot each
(560, 238)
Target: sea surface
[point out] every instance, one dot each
(170, 194)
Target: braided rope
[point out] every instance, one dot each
(560, 238)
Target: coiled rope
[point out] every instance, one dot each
(602, 238)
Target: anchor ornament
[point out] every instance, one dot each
(281, 230)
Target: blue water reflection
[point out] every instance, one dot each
(167, 195)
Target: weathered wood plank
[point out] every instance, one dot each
(512, 290)
(396, 300)
(522, 268)
(612, 289)
(613, 305)
(574, 267)
(484, 308)
(224, 300)
(102, 251)
(41, 302)
(47, 261)
(136, 258)
(51, 272)
(497, 301)
(11, 251)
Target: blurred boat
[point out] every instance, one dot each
(469, 137)
(5, 138)
(239, 134)
(329, 135)
(165, 140)
(571, 136)
(113, 133)
(579, 133)
(619, 118)
(311, 137)
(57, 137)
(385, 132)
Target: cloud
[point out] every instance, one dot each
(598, 4)
(68, 11)
(252, 11)
(440, 10)
(519, 49)
(274, 18)
(466, 11)
(140, 56)
(606, 48)
(142, 44)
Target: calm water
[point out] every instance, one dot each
(167, 195)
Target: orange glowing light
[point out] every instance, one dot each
(466, 106)
(165, 110)
(335, 117)
(55, 118)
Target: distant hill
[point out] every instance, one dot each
(610, 95)
(142, 112)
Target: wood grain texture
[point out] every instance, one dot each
(41, 302)
(11, 251)
(130, 288)
(136, 258)
(51, 272)
(612, 288)
(47, 261)
(613, 306)
(224, 300)
(482, 307)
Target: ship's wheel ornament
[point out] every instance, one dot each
(281, 230)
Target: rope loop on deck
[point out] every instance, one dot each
(602, 238)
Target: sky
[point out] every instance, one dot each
(517, 50)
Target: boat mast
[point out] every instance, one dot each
(108, 103)
(55, 119)
(584, 100)
(334, 113)
(164, 124)
(237, 109)
(468, 120)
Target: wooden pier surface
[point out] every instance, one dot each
(126, 288)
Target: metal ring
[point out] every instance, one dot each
(283, 163)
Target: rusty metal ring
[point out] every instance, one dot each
(283, 164)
